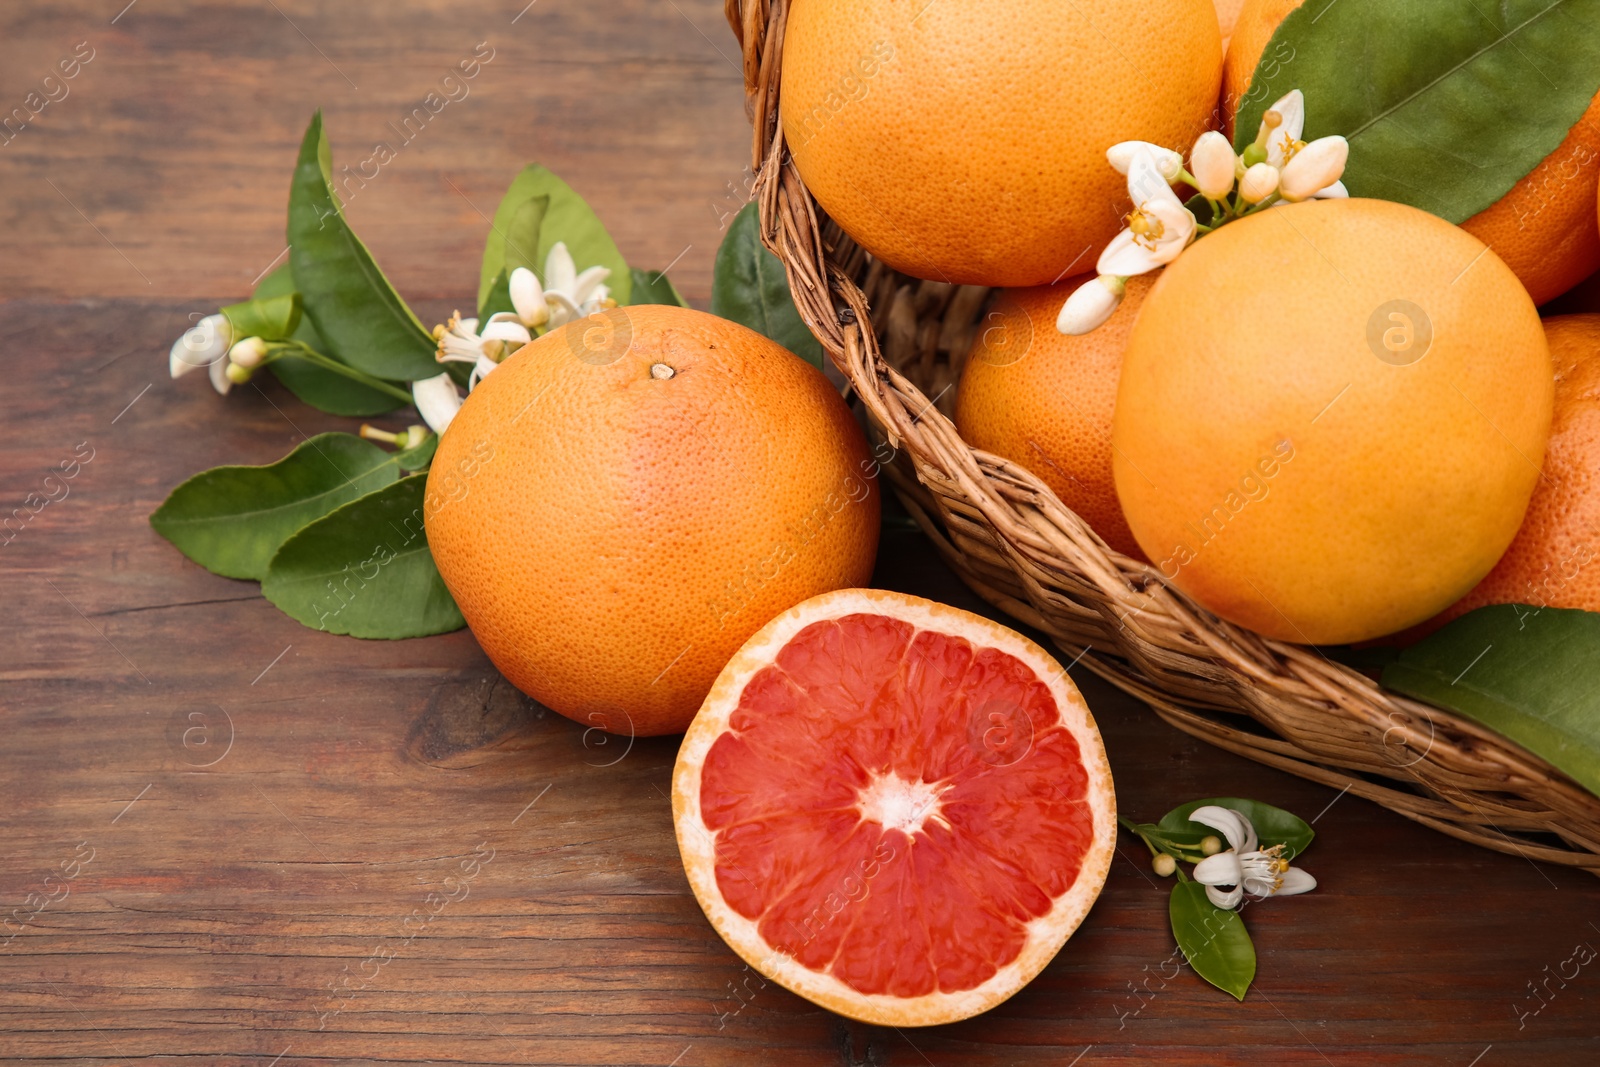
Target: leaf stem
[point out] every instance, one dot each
(301, 350)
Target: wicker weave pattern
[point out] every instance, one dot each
(1023, 551)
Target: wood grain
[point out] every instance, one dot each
(267, 806)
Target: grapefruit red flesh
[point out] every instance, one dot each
(895, 808)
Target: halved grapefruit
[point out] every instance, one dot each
(896, 809)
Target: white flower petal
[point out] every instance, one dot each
(559, 270)
(1146, 183)
(1314, 168)
(437, 400)
(219, 376)
(506, 329)
(527, 296)
(1125, 257)
(586, 283)
(1225, 898)
(1168, 162)
(480, 371)
(562, 309)
(1177, 228)
(1090, 305)
(1212, 163)
(1292, 107)
(201, 345)
(1234, 826)
(1296, 881)
(1222, 869)
(1336, 191)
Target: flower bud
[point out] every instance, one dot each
(1210, 845)
(1163, 865)
(1258, 183)
(248, 353)
(1211, 162)
(1314, 168)
(1168, 162)
(1090, 304)
(237, 373)
(201, 345)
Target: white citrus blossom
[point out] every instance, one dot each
(1281, 127)
(1229, 875)
(1279, 137)
(1314, 168)
(1159, 227)
(1214, 165)
(1168, 162)
(568, 293)
(1090, 304)
(200, 346)
(1259, 182)
(437, 399)
(460, 342)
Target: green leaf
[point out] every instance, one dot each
(1274, 826)
(1213, 939)
(271, 318)
(362, 319)
(498, 298)
(1446, 103)
(538, 210)
(365, 570)
(321, 388)
(749, 287)
(230, 520)
(654, 287)
(418, 457)
(1532, 674)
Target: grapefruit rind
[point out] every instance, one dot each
(697, 844)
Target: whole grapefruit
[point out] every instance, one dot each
(1540, 227)
(623, 502)
(1331, 417)
(966, 142)
(1554, 561)
(1045, 400)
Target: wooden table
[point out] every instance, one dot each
(254, 809)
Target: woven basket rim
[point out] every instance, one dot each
(1020, 548)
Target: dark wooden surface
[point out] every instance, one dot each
(265, 806)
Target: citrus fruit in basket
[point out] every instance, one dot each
(1043, 399)
(1555, 560)
(1331, 417)
(896, 809)
(966, 142)
(1540, 227)
(627, 499)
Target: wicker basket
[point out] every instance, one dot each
(1022, 550)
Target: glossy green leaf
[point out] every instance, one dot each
(749, 287)
(271, 318)
(1274, 826)
(418, 458)
(1213, 939)
(231, 520)
(358, 313)
(365, 570)
(498, 298)
(1532, 674)
(654, 287)
(1446, 103)
(321, 388)
(538, 210)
